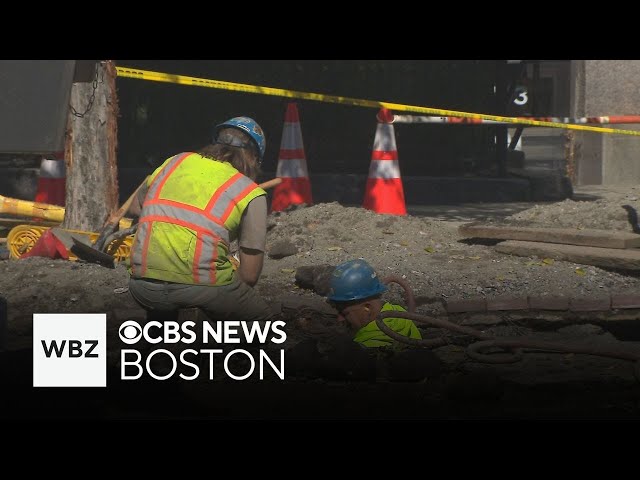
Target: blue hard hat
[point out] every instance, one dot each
(354, 280)
(248, 126)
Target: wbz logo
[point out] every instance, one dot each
(75, 348)
(69, 350)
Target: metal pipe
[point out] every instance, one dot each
(52, 213)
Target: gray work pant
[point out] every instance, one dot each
(162, 300)
(236, 301)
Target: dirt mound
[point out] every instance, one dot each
(428, 253)
(604, 210)
(431, 255)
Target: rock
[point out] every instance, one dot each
(281, 249)
(305, 276)
(315, 277)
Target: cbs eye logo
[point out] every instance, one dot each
(130, 332)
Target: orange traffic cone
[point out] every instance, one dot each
(51, 182)
(292, 166)
(384, 192)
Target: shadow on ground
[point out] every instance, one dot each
(469, 212)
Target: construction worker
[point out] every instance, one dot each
(355, 293)
(194, 206)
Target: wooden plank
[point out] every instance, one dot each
(568, 236)
(600, 257)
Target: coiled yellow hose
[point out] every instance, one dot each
(22, 238)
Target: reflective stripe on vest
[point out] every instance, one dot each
(142, 235)
(204, 261)
(142, 232)
(208, 223)
(237, 187)
(167, 211)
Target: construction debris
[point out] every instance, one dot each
(569, 236)
(601, 257)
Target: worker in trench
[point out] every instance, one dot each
(355, 293)
(367, 352)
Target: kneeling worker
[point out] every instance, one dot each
(355, 293)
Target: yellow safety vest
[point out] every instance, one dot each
(191, 213)
(371, 336)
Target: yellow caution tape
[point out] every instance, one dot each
(319, 97)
